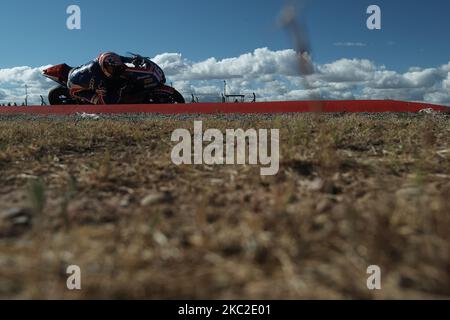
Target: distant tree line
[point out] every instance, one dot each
(12, 104)
(23, 104)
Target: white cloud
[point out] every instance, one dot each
(24, 75)
(172, 63)
(13, 81)
(349, 44)
(261, 62)
(446, 83)
(346, 70)
(272, 75)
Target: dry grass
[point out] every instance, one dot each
(352, 191)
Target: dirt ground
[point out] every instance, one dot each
(352, 191)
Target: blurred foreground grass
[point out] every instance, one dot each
(352, 191)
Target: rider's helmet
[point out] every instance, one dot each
(111, 64)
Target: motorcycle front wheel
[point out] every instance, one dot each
(60, 96)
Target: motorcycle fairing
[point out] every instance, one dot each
(58, 73)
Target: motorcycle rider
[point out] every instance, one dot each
(102, 80)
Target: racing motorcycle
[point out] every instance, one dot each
(134, 92)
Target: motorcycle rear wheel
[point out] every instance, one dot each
(161, 96)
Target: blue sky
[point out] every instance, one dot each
(415, 33)
(408, 59)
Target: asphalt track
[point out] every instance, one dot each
(329, 106)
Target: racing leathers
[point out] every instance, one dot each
(89, 84)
